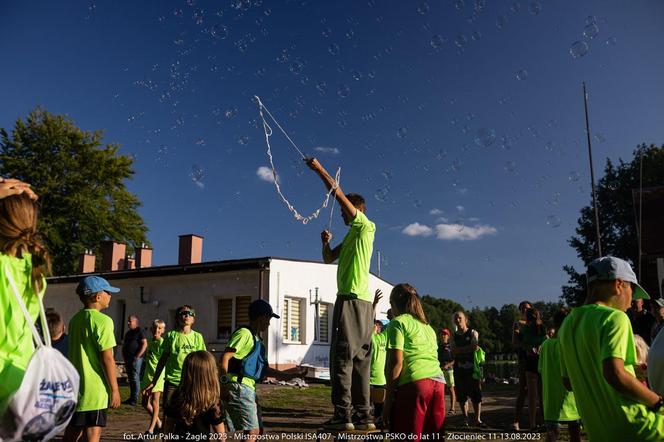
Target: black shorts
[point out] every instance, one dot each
(94, 418)
(467, 386)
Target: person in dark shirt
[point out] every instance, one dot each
(133, 349)
(658, 313)
(56, 327)
(642, 320)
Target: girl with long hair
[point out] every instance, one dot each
(534, 334)
(23, 256)
(195, 407)
(415, 399)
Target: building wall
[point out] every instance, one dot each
(298, 280)
(163, 295)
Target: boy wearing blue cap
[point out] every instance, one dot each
(243, 363)
(91, 342)
(597, 358)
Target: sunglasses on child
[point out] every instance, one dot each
(188, 313)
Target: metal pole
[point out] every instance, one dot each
(592, 172)
(378, 253)
(640, 206)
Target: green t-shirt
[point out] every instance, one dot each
(355, 259)
(243, 343)
(559, 404)
(178, 345)
(419, 345)
(153, 353)
(16, 346)
(588, 336)
(378, 354)
(90, 333)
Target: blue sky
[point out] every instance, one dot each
(461, 122)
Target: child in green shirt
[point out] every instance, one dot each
(91, 342)
(154, 351)
(597, 358)
(415, 400)
(177, 345)
(559, 404)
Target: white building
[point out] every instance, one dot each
(301, 292)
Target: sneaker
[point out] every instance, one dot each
(129, 402)
(339, 423)
(515, 426)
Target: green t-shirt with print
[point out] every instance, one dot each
(419, 345)
(559, 404)
(16, 345)
(153, 354)
(178, 345)
(90, 333)
(243, 342)
(378, 354)
(355, 259)
(588, 336)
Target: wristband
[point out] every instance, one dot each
(224, 379)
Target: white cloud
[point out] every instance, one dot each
(265, 173)
(460, 208)
(330, 150)
(417, 229)
(442, 219)
(460, 232)
(435, 212)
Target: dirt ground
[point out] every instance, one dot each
(297, 414)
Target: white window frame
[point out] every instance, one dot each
(317, 322)
(286, 316)
(234, 324)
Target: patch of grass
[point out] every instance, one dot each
(313, 400)
(125, 410)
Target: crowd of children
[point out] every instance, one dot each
(587, 370)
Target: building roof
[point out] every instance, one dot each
(262, 263)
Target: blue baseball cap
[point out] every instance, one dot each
(610, 268)
(94, 284)
(260, 307)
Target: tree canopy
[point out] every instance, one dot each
(617, 220)
(80, 182)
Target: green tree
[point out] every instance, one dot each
(616, 216)
(439, 312)
(80, 182)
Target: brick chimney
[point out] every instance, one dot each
(86, 262)
(190, 250)
(112, 256)
(143, 256)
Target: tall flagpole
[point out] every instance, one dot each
(592, 172)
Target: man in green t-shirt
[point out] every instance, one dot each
(238, 387)
(91, 342)
(597, 358)
(350, 349)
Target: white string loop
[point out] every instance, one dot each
(268, 133)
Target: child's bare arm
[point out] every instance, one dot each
(626, 384)
(329, 182)
(393, 367)
(108, 362)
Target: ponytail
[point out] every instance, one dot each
(405, 298)
(18, 235)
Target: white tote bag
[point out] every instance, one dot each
(46, 400)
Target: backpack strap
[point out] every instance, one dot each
(26, 314)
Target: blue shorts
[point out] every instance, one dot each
(242, 412)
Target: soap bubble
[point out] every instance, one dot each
(343, 91)
(521, 74)
(197, 174)
(501, 22)
(402, 132)
(485, 137)
(578, 49)
(437, 41)
(423, 8)
(357, 75)
(461, 41)
(553, 221)
(510, 167)
(591, 31)
(574, 176)
(333, 49)
(611, 41)
(591, 20)
(535, 8)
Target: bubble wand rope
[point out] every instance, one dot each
(268, 133)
